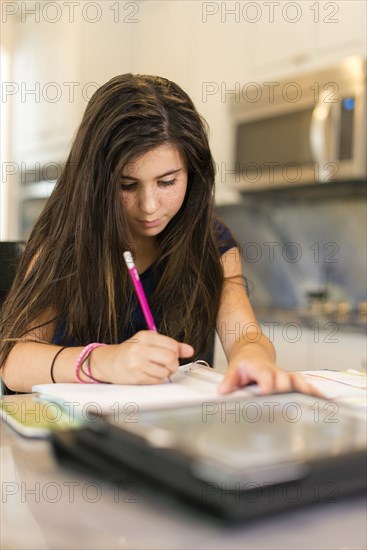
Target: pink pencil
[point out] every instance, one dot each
(139, 291)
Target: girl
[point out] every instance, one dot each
(139, 177)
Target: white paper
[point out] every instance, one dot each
(349, 378)
(188, 387)
(348, 388)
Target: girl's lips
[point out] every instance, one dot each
(153, 223)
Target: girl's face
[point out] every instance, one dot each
(153, 188)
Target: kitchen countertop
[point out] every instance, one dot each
(48, 507)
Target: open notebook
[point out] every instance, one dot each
(345, 387)
(191, 384)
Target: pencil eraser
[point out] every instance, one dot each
(129, 259)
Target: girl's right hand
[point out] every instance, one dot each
(146, 358)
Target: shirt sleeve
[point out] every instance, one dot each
(225, 239)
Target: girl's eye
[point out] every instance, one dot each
(128, 187)
(132, 186)
(166, 183)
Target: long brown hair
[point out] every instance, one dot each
(73, 260)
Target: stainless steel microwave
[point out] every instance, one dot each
(302, 130)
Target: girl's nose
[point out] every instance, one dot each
(148, 201)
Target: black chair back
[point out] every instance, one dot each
(10, 252)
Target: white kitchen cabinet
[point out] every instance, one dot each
(161, 42)
(319, 345)
(301, 348)
(339, 350)
(57, 68)
(105, 48)
(43, 105)
(293, 37)
(293, 345)
(341, 28)
(279, 44)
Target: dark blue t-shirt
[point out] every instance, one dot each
(149, 279)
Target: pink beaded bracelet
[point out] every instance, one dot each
(79, 362)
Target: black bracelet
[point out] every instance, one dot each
(87, 375)
(53, 364)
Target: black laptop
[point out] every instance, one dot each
(237, 459)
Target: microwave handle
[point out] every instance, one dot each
(319, 121)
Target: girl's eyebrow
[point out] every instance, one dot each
(158, 177)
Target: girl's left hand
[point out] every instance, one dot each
(244, 369)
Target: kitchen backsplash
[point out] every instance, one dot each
(296, 245)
